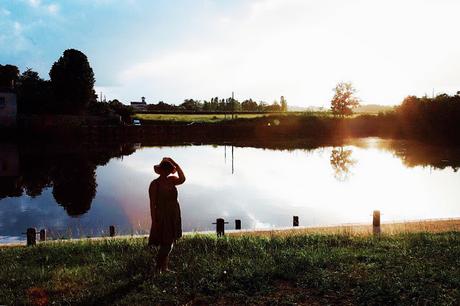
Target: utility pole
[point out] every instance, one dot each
(233, 104)
(233, 168)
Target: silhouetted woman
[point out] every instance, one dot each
(165, 210)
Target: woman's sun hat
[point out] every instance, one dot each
(164, 165)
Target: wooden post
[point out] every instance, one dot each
(237, 224)
(43, 235)
(112, 231)
(31, 236)
(376, 222)
(220, 226)
(295, 221)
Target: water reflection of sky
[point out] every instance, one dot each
(267, 188)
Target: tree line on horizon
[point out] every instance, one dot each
(431, 117)
(70, 90)
(216, 104)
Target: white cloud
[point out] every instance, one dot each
(53, 8)
(301, 49)
(34, 3)
(17, 28)
(296, 48)
(13, 37)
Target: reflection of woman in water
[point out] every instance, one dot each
(165, 211)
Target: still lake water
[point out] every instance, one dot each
(82, 194)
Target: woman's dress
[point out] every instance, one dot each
(167, 227)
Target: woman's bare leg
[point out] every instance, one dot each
(162, 257)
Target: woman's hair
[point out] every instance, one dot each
(166, 166)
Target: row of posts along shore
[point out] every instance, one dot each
(220, 228)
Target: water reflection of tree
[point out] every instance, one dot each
(74, 185)
(414, 154)
(35, 175)
(10, 187)
(341, 162)
(70, 171)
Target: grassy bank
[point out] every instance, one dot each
(417, 268)
(190, 117)
(212, 117)
(266, 128)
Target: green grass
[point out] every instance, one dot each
(208, 118)
(405, 269)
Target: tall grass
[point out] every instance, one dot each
(391, 228)
(406, 269)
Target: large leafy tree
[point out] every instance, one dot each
(72, 80)
(34, 93)
(122, 110)
(344, 99)
(8, 75)
(249, 105)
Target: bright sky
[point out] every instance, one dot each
(171, 49)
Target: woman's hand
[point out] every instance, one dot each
(170, 160)
(177, 180)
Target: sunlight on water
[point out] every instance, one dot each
(269, 187)
(262, 187)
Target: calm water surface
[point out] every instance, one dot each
(82, 194)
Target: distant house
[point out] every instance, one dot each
(8, 108)
(139, 106)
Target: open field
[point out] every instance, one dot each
(275, 268)
(219, 116)
(210, 117)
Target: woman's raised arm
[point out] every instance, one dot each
(181, 176)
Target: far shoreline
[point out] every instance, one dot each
(273, 128)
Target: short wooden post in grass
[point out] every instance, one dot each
(112, 231)
(295, 221)
(237, 224)
(376, 222)
(43, 235)
(220, 226)
(31, 236)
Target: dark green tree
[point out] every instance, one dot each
(124, 111)
(275, 107)
(191, 105)
(72, 81)
(249, 105)
(34, 93)
(8, 76)
(262, 107)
